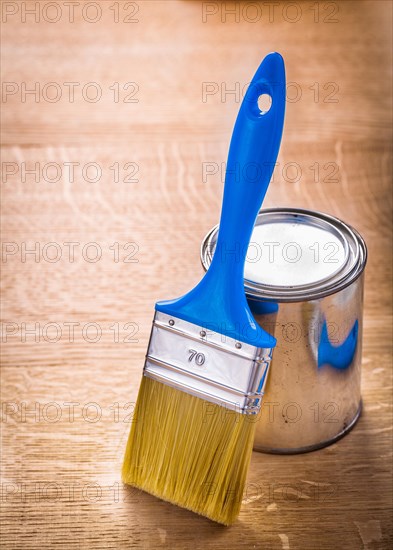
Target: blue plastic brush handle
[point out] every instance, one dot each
(218, 302)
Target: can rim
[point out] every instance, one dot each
(330, 284)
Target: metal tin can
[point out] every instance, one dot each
(304, 279)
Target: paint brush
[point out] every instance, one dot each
(207, 361)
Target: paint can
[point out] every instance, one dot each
(304, 279)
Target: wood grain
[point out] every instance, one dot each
(60, 461)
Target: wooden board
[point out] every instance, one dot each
(68, 386)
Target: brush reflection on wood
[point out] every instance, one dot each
(122, 195)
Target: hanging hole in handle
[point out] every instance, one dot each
(264, 103)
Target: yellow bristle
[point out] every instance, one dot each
(189, 452)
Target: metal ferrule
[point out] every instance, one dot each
(207, 364)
